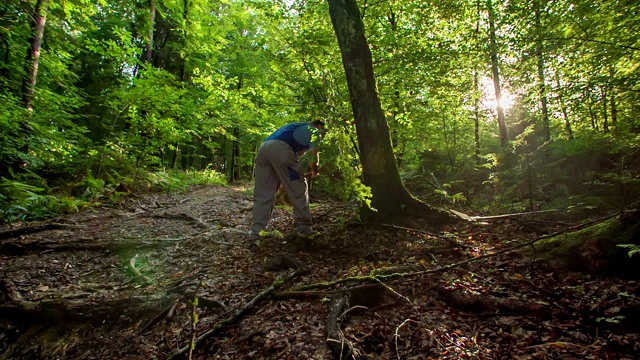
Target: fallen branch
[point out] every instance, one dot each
(386, 277)
(238, 315)
(25, 247)
(311, 293)
(464, 216)
(59, 311)
(397, 227)
(341, 347)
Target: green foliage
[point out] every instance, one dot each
(225, 74)
(176, 181)
(633, 249)
(613, 319)
(340, 172)
(22, 202)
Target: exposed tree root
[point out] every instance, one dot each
(57, 312)
(406, 275)
(238, 315)
(484, 303)
(340, 347)
(25, 247)
(7, 234)
(182, 217)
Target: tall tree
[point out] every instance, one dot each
(476, 87)
(148, 56)
(33, 53)
(390, 198)
(542, 86)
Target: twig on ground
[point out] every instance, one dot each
(194, 320)
(396, 335)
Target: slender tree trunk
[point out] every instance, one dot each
(234, 168)
(234, 171)
(476, 118)
(379, 169)
(33, 53)
(502, 126)
(546, 128)
(28, 85)
(605, 113)
(614, 110)
(397, 101)
(563, 107)
(224, 156)
(446, 141)
(592, 115)
(476, 87)
(148, 54)
(4, 68)
(161, 155)
(174, 156)
(612, 99)
(185, 16)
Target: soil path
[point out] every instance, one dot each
(116, 283)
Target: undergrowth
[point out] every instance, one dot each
(30, 197)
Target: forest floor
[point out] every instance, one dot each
(119, 283)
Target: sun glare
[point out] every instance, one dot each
(489, 96)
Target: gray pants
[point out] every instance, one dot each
(277, 163)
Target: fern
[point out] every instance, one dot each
(634, 249)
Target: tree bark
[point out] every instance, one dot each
(390, 198)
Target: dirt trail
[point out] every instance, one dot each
(120, 282)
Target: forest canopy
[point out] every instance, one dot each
(506, 106)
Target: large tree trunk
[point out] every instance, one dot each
(379, 169)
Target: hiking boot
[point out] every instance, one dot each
(253, 236)
(306, 233)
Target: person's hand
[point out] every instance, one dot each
(314, 171)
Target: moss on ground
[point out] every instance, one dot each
(595, 249)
